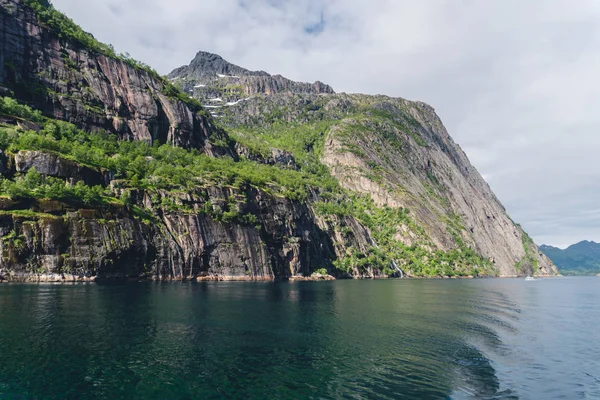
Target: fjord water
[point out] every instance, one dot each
(497, 338)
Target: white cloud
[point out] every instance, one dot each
(515, 82)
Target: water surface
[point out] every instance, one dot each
(430, 339)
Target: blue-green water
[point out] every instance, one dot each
(496, 339)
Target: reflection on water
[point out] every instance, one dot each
(491, 339)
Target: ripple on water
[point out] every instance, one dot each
(484, 339)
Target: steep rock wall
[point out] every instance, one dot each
(428, 173)
(57, 242)
(399, 153)
(96, 92)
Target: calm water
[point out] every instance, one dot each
(493, 339)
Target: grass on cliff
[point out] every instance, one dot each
(37, 186)
(147, 166)
(386, 225)
(301, 125)
(363, 125)
(142, 166)
(529, 264)
(304, 141)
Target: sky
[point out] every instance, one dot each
(517, 83)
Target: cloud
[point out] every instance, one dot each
(515, 82)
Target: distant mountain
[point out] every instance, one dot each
(582, 258)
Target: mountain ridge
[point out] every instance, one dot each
(582, 258)
(110, 171)
(215, 81)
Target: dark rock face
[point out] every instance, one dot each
(95, 92)
(111, 244)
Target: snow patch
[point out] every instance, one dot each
(216, 100)
(227, 76)
(197, 86)
(233, 103)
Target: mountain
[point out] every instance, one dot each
(217, 82)
(113, 172)
(582, 258)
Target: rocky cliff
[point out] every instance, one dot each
(399, 153)
(53, 241)
(111, 172)
(68, 79)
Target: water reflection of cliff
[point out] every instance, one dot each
(380, 339)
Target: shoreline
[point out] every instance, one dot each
(72, 279)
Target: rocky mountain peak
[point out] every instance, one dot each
(213, 80)
(211, 64)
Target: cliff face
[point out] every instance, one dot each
(70, 82)
(52, 243)
(428, 173)
(288, 178)
(399, 153)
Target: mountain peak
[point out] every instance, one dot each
(585, 244)
(213, 63)
(210, 64)
(210, 77)
(206, 54)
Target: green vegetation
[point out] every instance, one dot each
(14, 242)
(141, 165)
(361, 127)
(321, 271)
(418, 259)
(175, 93)
(27, 214)
(304, 141)
(11, 108)
(386, 138)
(34, 185)
(529, 264)
(404, 123)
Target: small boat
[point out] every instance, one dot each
(529, 278)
